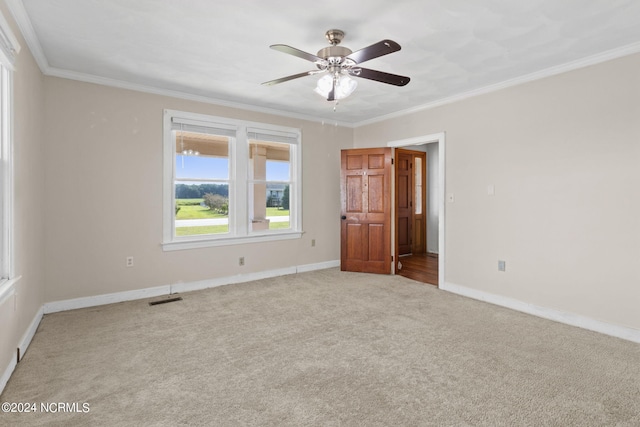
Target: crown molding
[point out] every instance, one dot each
(8, 40)
(121, 84)
(547, 72)
(28, 32)
(16, 7)
(24, 23)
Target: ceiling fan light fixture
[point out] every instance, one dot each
(344, 86)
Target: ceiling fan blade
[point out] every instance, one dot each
(287, 78)
(295, 52)
(380, 76)
(376, 50)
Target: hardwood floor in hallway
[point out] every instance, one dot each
(420, 267)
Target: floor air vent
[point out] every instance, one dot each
(166, 300)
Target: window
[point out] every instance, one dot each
(418, 185)
(9, 47)
(229, 181)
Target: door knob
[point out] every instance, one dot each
(343, 217)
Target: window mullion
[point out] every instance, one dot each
(241, 169)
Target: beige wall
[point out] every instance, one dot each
(17, 313)
(104, 195)
(564, 155)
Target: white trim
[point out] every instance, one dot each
(24, 23)
(9, 46)
(318, 266)
(22, 346)
(7, 266)
(563, 68)
(230, 280)
(8, 289)
(547, 72)
(120, 84)
(440, 138)
(572, 319)
(177, 245)
(30, 332)
(26, 28)
(73, 304)
(239, 180)
(10, 38)
(7, 373)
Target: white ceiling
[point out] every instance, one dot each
(219, 50)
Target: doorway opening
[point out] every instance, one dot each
(418, 231)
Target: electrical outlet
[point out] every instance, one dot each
(241, 261)
(129, 261)
(502, 265)
(313, 242)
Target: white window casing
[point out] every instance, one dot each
(9, 48)
(239, 222)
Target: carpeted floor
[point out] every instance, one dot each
(324, 348)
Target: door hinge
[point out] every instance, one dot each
(391, 258)
(391, 161)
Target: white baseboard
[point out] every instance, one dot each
(319, 266)
(72, 304)
(30, 332)
(7, 373)
(23, 345)
(572, 319)
(221, 281)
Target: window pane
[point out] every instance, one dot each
(270, 172)
(274, 202)
(201, 156)
(201, 209)
(277, 171)
(418, 186)
(270, 160)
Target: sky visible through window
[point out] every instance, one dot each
(214, 168)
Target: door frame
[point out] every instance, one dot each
(421, 140)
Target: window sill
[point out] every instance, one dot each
(208, 242)
(7, 288)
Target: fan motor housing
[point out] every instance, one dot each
(334, 52)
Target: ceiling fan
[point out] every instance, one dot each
(339, 62)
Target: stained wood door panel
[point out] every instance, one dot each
(354, 162)
(365, 244)
(404, 199)
(376, 249)
(403, 232)
(376, 194)
(354, 234)
(375, 161)
(354, 192)
(403, 196)
(419, 235)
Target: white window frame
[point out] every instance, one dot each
(239, 212)
(9, 49)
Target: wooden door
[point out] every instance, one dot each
(404, 201)
(365, 194)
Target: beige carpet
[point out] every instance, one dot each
(324, 348)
